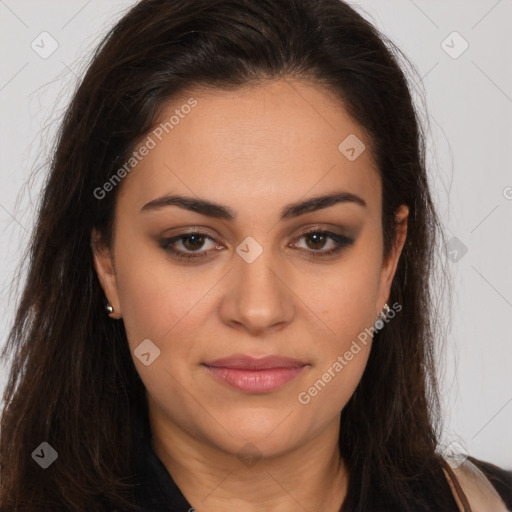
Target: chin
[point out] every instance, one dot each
(267, 434)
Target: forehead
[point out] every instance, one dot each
(265, 144)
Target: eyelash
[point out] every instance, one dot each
(341, 241)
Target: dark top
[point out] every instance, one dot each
(156, 491)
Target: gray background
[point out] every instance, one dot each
(469, 102)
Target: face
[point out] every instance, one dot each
(261, 275)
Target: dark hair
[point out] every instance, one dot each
(73, 383)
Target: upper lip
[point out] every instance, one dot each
(246, 362)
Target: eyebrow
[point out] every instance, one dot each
(216, 210)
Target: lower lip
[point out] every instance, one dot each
(255, 381)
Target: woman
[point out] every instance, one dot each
(228, 303)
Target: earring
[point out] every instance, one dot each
(109, 308)
(385, 310)
(379, 323)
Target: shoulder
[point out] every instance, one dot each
(485, 487)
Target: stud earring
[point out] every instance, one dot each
(385, 310)
(109, 308)
(379, 323)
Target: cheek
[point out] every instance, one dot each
(346, 303)
(158, 297)
(340, 357)
(165, 306)
(346, 298)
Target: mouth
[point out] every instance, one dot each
(255, 375)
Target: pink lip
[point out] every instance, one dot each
(255, 381)
(261, 375)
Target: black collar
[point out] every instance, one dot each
(154, 490)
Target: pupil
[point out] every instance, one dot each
(318, 240)
(198, 241)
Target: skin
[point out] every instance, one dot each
(254, 150)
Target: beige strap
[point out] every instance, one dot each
(477, 489)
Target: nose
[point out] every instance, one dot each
(259, 295)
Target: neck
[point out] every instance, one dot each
(310, 477)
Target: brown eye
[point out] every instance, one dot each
(193, 241)
(317, 240)
(191, 245)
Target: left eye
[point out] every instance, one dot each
(317, 240)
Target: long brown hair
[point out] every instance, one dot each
(72, 380)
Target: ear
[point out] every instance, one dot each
(389, 265)
(104, 265)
